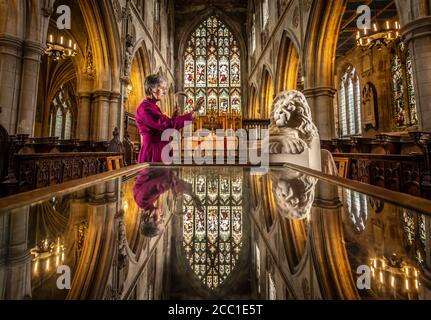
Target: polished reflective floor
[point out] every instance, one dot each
(215, 233)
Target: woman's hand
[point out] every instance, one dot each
(199, 104)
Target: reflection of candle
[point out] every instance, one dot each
(381, 277)
(417, 284)
(36, 265)
(47, 264)
(407, 284)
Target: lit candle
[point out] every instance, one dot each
(373, 272)
(51, 38)
(375, 263)
(407, 272)
(47, 264)
(383, 264)
(388, 25)
(70, 43)
(358, 35)
(74, 46)
(36, 265)
(57, 261)
(396, 25)
(365, 31)
(61, 40)
(397, 34)
(375, 27)
(62, 257)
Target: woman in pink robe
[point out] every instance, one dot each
(152, 122)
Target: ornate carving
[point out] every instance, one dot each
(295, 19)
(128, 57)
(294, 193)
(118, 10)
(115, 145)
(291, 129)
(369, 103)
(90, 69)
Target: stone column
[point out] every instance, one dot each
(10, 77)
(114, 114)
(18, 279)
(32, 54)
(321, 101)
(418, 35)
(83, 127)
(100, 116)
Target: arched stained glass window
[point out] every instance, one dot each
(350, 103)
(212, 68)
(403, 90)
(62, 113)
(212, 240)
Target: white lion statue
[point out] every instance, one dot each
(294, 193)
(293, 137)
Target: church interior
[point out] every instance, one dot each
(350, 222)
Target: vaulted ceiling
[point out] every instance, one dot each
(227, 5)
(380, 9)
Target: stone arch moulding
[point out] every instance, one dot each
(266, 93)
(288, 62)
(99, 18)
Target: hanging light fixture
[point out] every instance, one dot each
(378, 36)
(59, 48)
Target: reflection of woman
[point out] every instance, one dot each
(149, 186)
(152, 122)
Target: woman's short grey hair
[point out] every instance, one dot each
(152, 82)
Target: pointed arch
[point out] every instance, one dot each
(99, 19)
(288, 64)
(266, 93)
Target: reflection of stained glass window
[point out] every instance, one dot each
(415, 232)
(212, 239)
(212, 62)
(403, 91)
(357, 208)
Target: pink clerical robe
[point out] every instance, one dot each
(151, 183)
(152, 123)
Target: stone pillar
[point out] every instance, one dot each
(114, 114)
(418, 35)
(100, 116)
(321, 101)
(10, 77)
(83, 127)
(18, 279)
(32, 54)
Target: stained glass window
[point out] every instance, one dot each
(350, 103)
(253, 33)
(265, 13)
(212, 68)
(403, 91)
(212, 240)
(62, 114)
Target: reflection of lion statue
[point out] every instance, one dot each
(294, 193)
(291, 130)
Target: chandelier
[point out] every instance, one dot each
(378, 36)
(394, 276)
(60, 48)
